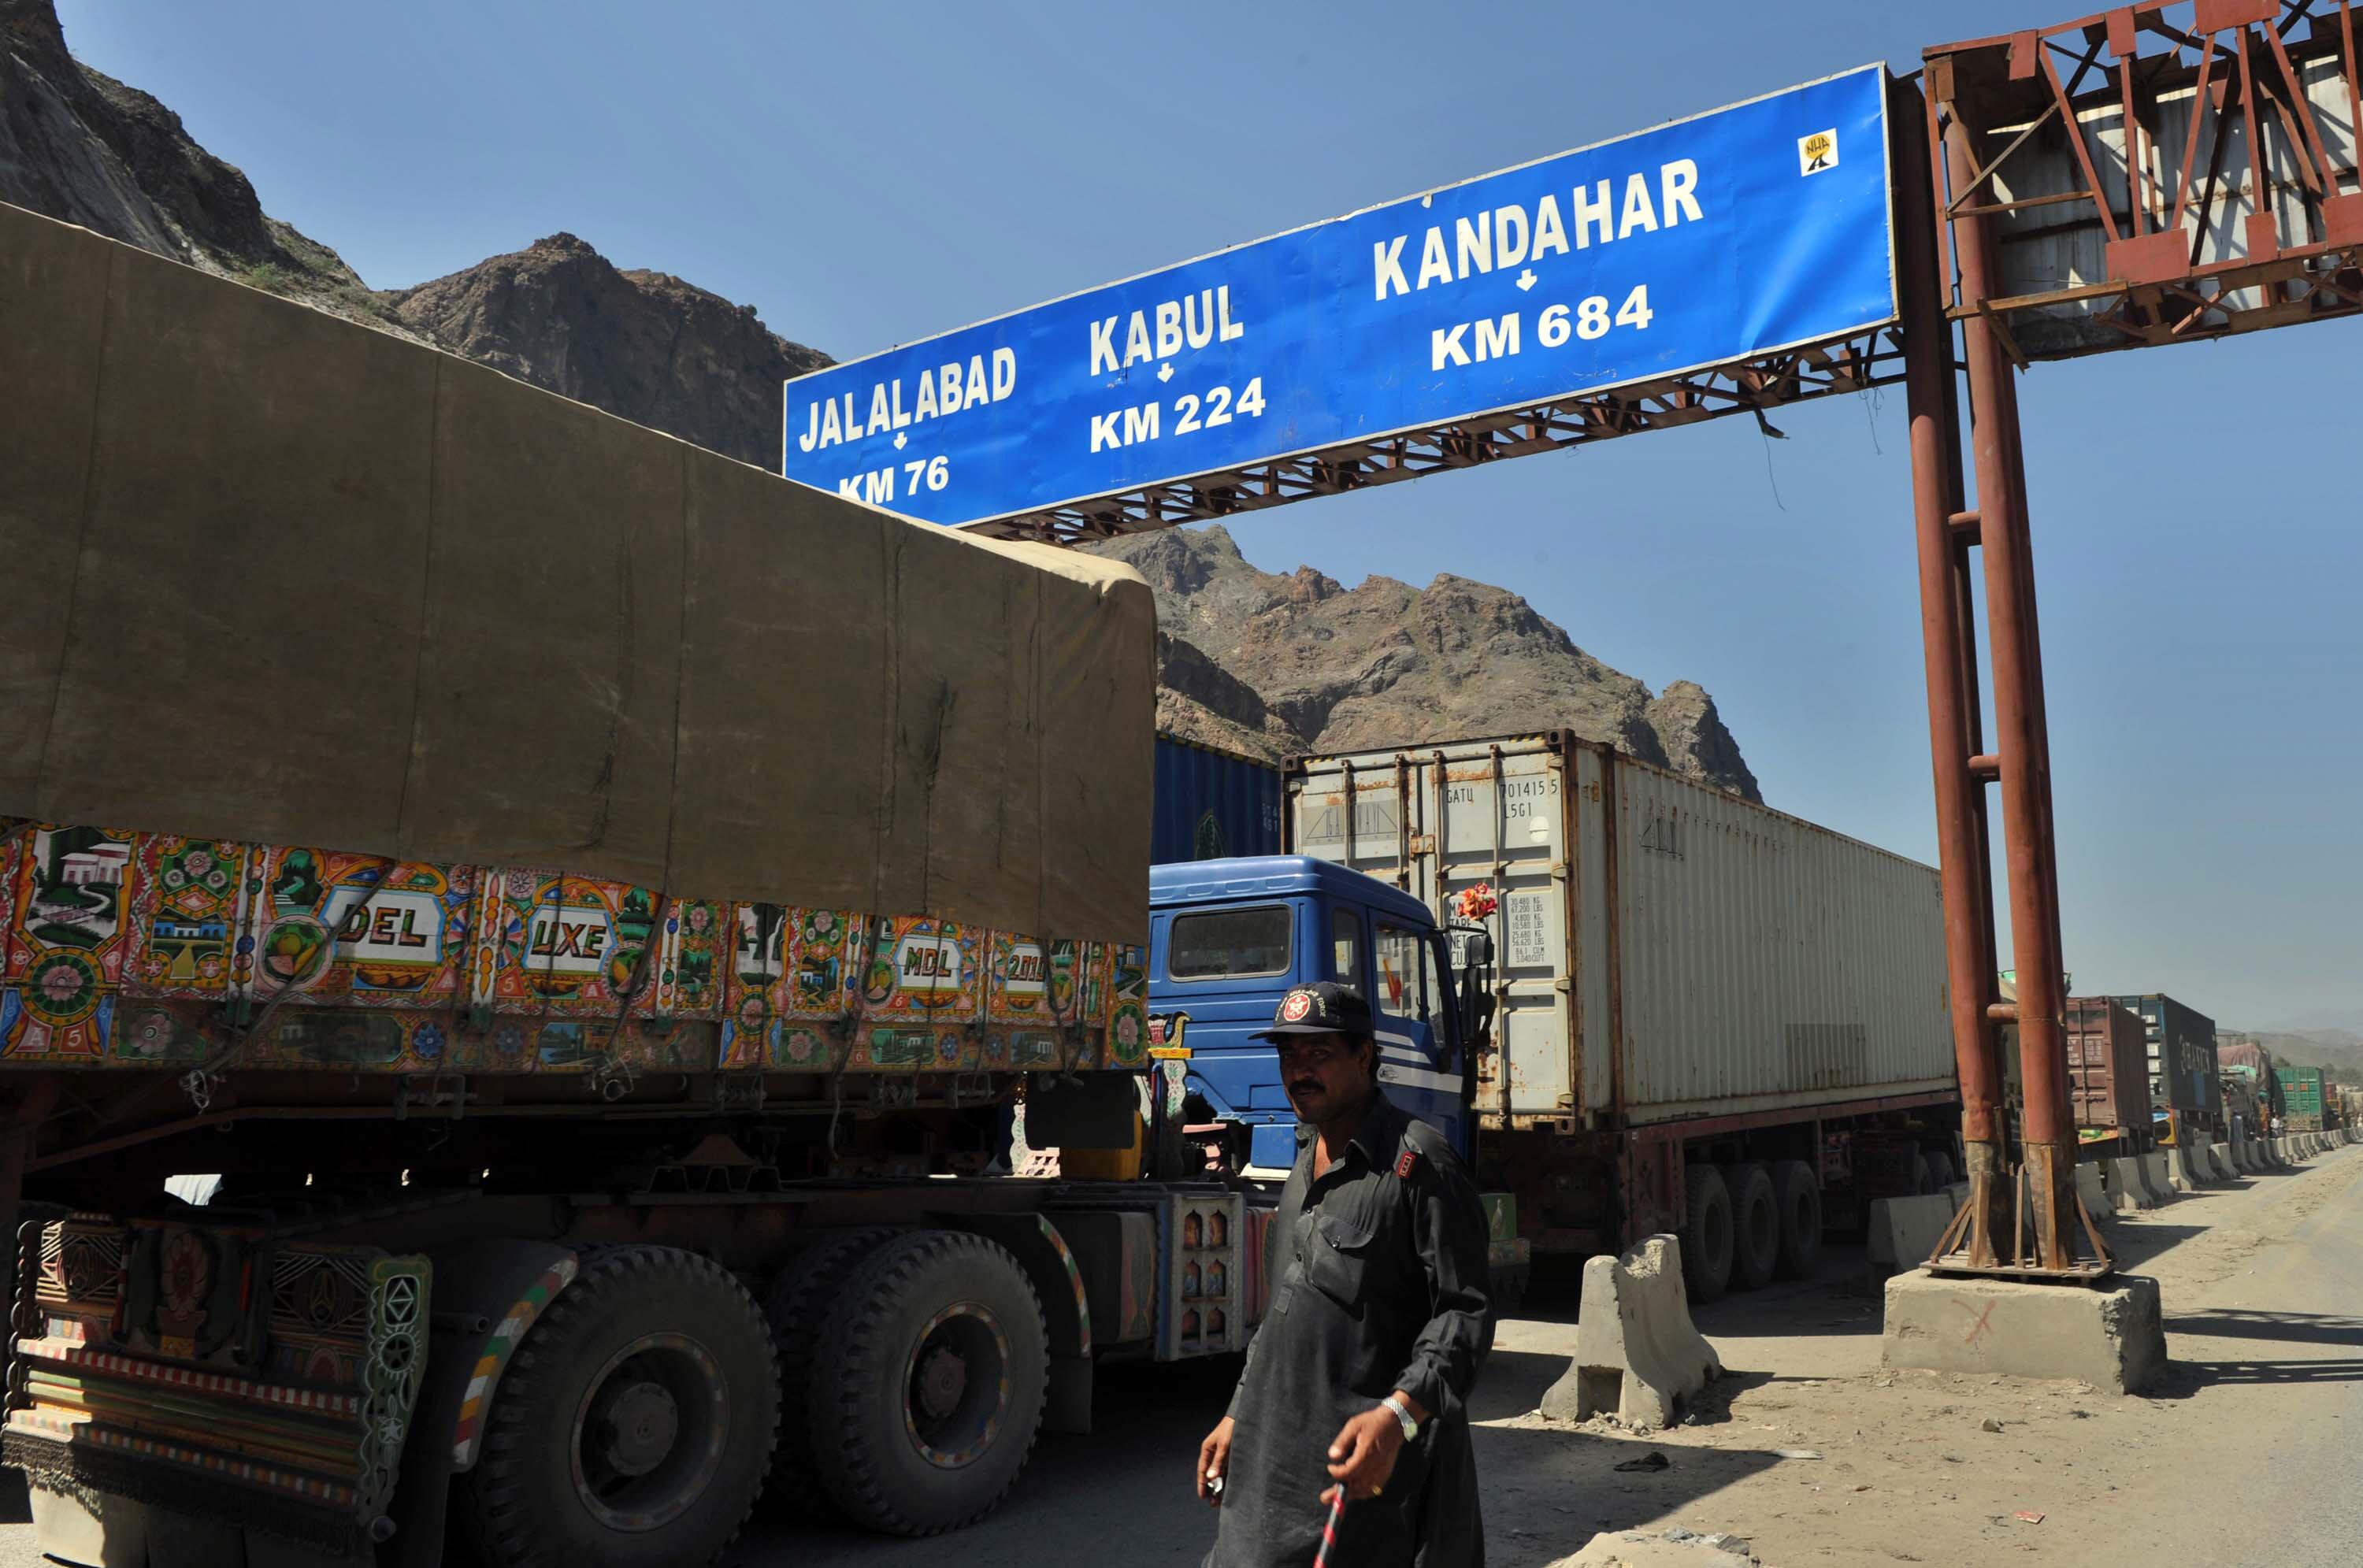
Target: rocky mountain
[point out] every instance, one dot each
(645, 346)
(1248, 660)
(78, 145)
(1270, 664)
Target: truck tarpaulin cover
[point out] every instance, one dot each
(1753, 228)
(274, 576)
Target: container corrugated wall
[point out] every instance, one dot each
(2181, 1044)
(1768, 962)
(2108, 1064)
(1210, 804)
(1762, 962)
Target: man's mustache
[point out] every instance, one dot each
(1306, 1086)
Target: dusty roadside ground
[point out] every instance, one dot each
(2261, 1283)
(2263, 1290)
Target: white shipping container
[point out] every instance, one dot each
(1666, 950)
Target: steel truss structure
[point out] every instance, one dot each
(1852, 364)
(2237, 119)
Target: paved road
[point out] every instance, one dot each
(2261, 1418)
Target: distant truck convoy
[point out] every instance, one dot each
(1698, 1014)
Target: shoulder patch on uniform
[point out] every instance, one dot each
(1407, 1162)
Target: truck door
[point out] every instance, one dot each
(1408, 1001)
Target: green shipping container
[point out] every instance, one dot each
(2301, 1096)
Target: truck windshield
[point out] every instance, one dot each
(1221, 943)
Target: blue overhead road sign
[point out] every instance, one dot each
(1754, 229)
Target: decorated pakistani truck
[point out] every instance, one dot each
(589, 909)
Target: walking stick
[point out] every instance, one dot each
(1329, 1528)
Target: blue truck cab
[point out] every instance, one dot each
(1229, 938)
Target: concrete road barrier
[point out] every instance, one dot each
(1637, 1356)
(1903, 1231)
(2245, 1151)
(2126, 1188)
(2222, 1155)
(2161, 1183)
(2090, 1188)
(2280, 1147)
(2188, 1174)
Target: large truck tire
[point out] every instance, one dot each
(1940, 1169)
(1755, 1225)
(796, 1306)
(1707, 1233)
(930, 1384)
(1800, 1197)
(1924, 1180)
(634, 1429)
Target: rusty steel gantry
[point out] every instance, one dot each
(2151, 175)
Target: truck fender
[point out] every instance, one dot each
(1050, 1264)
(487, 1293)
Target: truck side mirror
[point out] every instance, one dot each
(1476, 949)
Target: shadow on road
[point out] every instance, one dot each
(1571, 1476)
(2136, 1243)
(2185, 1379)
(2238, 1323)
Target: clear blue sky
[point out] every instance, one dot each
(869, 175)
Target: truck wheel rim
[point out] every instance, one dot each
(648, 1432)
(956, 1386)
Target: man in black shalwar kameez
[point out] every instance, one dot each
(1358, 1374)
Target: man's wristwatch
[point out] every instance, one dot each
(1402, 1414)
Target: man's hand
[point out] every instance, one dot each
(1364, 1455)
(1215, 1462)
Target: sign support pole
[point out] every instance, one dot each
(1948, 634)
(2046, 1214)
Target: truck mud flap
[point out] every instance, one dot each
(488, 1293)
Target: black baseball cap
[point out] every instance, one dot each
(1326, 1007)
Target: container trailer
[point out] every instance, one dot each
(1705, 1016)
(2181, 1044)
(2302, 1094)
(2108, 1073)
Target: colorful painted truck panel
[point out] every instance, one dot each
(174, 1361)
(125, 949)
